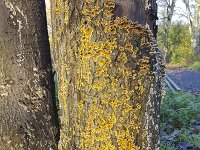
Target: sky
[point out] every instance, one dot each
(179, 6)
(179, 9)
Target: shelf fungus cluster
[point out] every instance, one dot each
(110, 73)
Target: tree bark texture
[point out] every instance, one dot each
(27, 109)
(110, 73)
(142, 11)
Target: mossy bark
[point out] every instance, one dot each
(110, 73)
(27, 109)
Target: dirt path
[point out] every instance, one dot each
(187, 80)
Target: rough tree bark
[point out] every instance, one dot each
(110, 73)
(27, 109)
(142, 11)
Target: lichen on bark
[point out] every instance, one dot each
(110, 73)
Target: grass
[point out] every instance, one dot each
(178, 111)
(166, 147)
(193, 139)
(193, 66)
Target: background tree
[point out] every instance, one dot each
(198, 23)
(167, 10)
(192, 15)
(109, 73)
(188, 15)
(27, 109)
(179, 41)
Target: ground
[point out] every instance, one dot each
(180, 112)
(187, 80)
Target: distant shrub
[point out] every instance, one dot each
(176, 44)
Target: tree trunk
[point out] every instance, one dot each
(142, 11)
(109, 74)
(168, 6)
(198, 25)
(191, 25)
(27, 107)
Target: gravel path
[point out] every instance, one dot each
(187, 80)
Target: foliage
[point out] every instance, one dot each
(178, 111)
(166, 147)
(178, 50)
(179, 44)
(194, 66)
(185, 136)
(193, 139)
(161, 39)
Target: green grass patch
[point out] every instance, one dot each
(193, 139)
(194, 66)
(178, 111)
